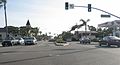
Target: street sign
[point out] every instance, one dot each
(71, 6)
(104, 15)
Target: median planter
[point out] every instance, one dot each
(61, 43)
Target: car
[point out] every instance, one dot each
(20, 40)
(9, 41)
(85, 40)
(51, 40)
(110, 40)
(30, 40)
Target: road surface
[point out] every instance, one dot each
(46, 53)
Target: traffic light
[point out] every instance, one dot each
(66, 5)
(89, 7)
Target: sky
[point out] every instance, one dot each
(51, 16)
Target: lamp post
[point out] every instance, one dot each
(3, 3)
(5, 17)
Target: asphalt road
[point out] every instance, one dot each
(46, 53)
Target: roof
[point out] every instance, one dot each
(2, 30)
(28, 23)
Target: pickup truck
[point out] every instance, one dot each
(9, 42)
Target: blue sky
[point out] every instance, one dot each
(50, 15)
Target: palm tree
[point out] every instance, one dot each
(3, 3)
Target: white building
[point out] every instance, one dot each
(112, 24)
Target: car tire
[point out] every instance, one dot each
(100, 44)
(25, 44)
(118, 46)
(89, 42)
(108, 44)
(3, 45)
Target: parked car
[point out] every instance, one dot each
(20, 40)
(52, 40)
(110, 40)
(30, 40)
(9, 41)
(85, 40)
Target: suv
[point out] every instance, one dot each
(85, 40)
(30, 40)
(9, 41)
(110, 40)
(20, 40)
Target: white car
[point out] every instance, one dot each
(30, 40)
(20, 40)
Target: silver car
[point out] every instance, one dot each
(20, 40)
(30, 40)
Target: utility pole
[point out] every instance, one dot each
(5, 18)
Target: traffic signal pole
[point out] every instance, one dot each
(99, 10)
(89, 10)
(5, 19)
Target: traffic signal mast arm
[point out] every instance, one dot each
(99, 10)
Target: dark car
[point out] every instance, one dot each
(9, 41)
(110, 40)
(85, 40)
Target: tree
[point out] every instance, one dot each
(40, 32)
(1, 4)
(34, 31)
(74, 27)
(13, 30)
(24, 31)
(66, 35)
(91, 28)
(105, 32)
(4, 4)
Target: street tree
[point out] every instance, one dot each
(34, 31)
(91, 28)
(66, 35)
(13, 30)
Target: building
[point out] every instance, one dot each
(89, 34)
(112, 24)
(2, 33)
